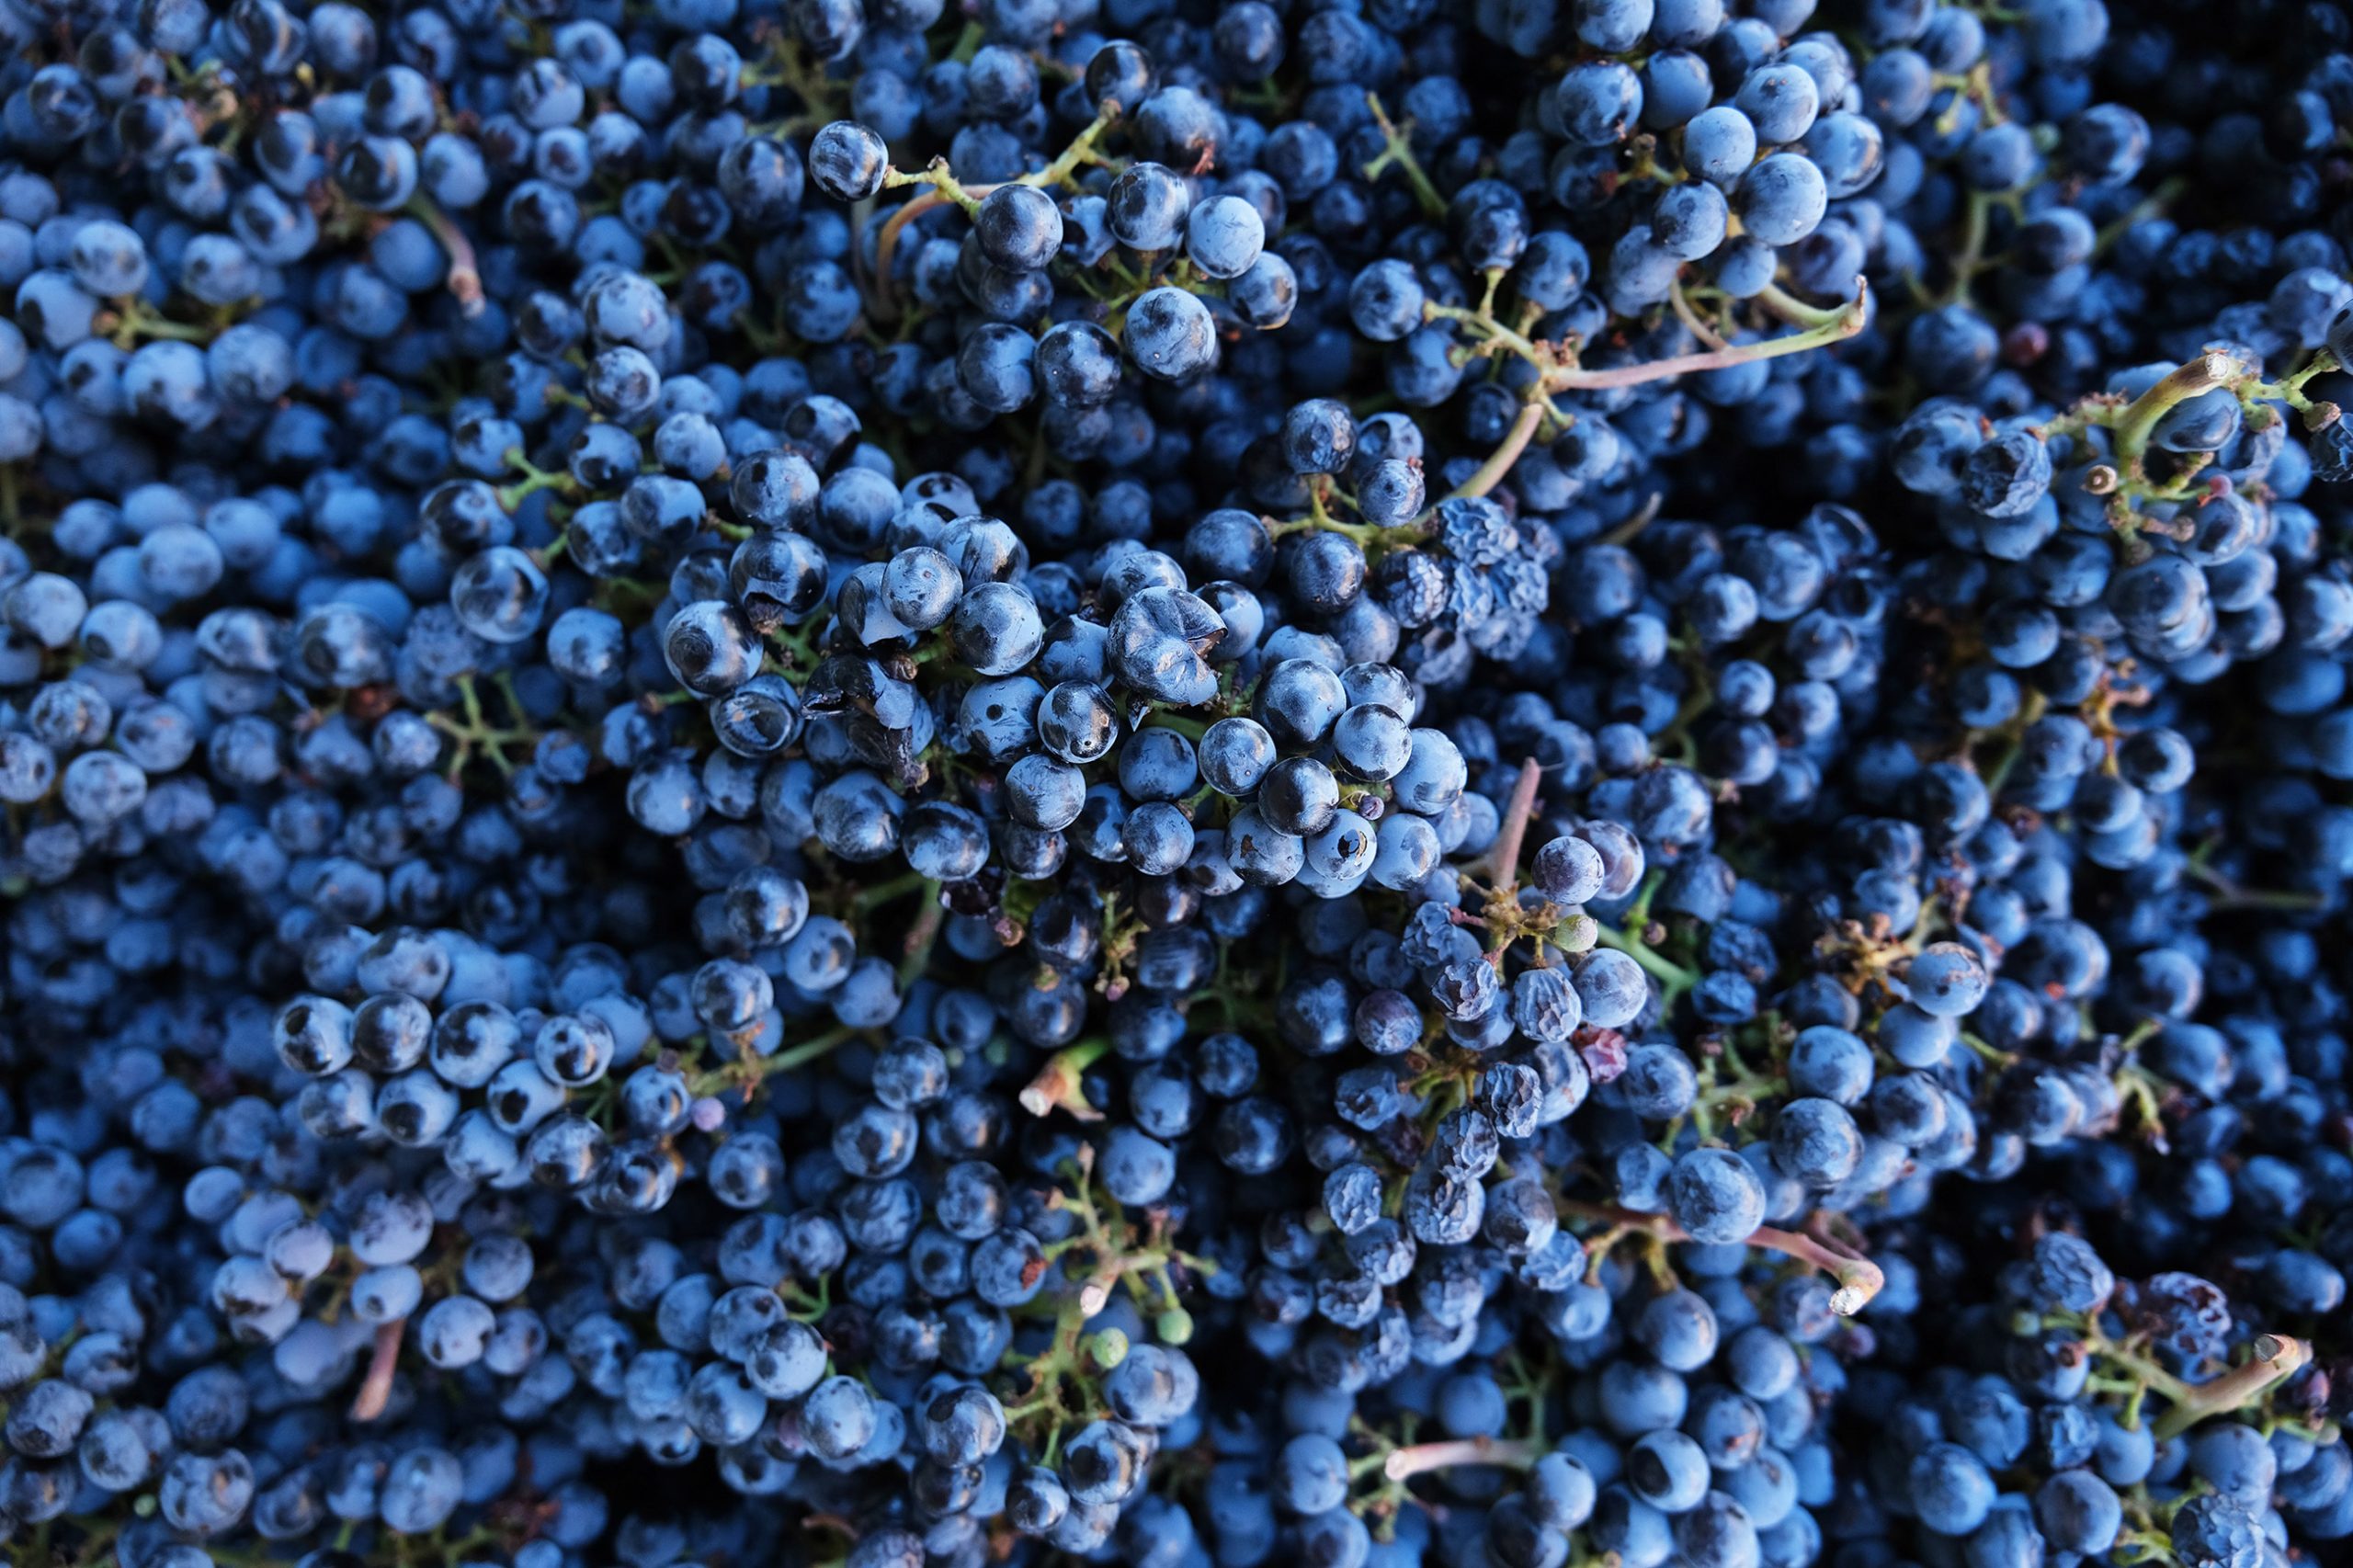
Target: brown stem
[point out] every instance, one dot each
(1503, 859)
(920, 937)
(1859, 1277)
(887, 242)
(1508, 1453)
(465, 274)
(2276, 1356)
(1094, 1292)
(376, 1389)
(1489, 474)
(1057, 1083)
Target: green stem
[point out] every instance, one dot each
(1057, 1082)
(810, 1050)
(1191, 729)
(1079, 153)
(1796, 312)
(1744, 1089)
(535, 479)
(877, 895)
(2143, 1372)
(1691, 317)
(2139, 421)
(944, 187)
(2290, 389)
(1849, 321)
(1397, 152)
(1673, 976)
(1492, 331)
(1993, 1054)
(1972, 255)
(2159, 199)
(137, 320)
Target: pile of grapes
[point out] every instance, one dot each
(1189, 783)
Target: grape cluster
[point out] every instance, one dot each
(1175, 783)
